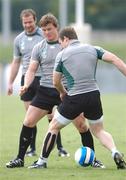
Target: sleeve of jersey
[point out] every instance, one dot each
(58, 63)
(100, 51)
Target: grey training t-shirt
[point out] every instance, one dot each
(23, 45)
(78, 63)
(45, 53)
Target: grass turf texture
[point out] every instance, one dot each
(12, 114)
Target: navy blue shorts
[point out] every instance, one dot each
(87, 103)
(46, 98)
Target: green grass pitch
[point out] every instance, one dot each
(11, 118)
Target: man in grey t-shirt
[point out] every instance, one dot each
(23, 46)
(77, 62)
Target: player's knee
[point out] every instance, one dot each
(29, 122)
(82, 128)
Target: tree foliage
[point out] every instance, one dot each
(108, 14)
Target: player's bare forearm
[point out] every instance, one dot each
(30, 74)
(14, 70)
(115, 60)
(121, 66)
(29, 77)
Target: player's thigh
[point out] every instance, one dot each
(33, 115)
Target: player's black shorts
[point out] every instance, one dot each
(46, 98)
(29, 95)
(88, 103)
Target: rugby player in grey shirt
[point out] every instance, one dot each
(82, 94)
(43, 55)
(23, 45)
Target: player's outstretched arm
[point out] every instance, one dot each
(115, 60)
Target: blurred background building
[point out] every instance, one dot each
(98, 22)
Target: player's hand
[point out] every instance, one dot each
(23, 90)
(10, 90)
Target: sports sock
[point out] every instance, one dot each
(87, 139)
(25, 140)
(33, 140)
(48, 145)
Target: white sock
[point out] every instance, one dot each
(114, 150)
(41, 161)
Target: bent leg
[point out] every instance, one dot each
(50, 139)
(58, 141)
(57, 123)
(61, 151)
